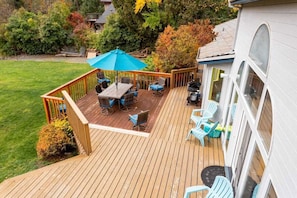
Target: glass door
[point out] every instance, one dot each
(242, 152)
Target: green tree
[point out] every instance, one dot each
(147, 18)
(55, 30)
(20, 34)
(116, 34)
(91, 6)
(217, 11)
(145, 36)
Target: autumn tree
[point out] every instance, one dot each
(178, 48)
(6, 10)
(80, 29)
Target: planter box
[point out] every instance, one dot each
(217, 132)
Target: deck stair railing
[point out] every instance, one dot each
(80, 125)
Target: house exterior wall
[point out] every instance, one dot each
(281, 80)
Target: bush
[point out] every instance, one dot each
(150, 64)
(55, 140)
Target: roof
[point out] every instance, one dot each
(222, 46)
(236, 2)
(102, 19)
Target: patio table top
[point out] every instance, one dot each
(114, 91)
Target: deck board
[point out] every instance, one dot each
(124, 165)
(146, 100)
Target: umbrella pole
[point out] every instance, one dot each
(117, 79)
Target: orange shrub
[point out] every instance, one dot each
(55, 140)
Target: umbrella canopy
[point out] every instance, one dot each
(116, 60)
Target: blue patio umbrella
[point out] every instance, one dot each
(116, 60)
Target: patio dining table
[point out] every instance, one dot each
(116, 92)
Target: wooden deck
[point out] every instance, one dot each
(124, 165)
(89, 106)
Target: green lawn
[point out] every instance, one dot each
(21, 109)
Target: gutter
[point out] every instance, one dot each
(222, 58)
(239, 2)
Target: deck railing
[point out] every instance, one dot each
(79, 124)
(54, 104)
(181, 77)
(61, 101)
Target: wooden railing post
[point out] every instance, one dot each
(46, 109)
(172, 79)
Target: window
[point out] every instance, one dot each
(256, 170)
(265, 122)
(253, 90)
(271, 192)
(216, 85)
(239, 73)
(259, 51)
(231, 116)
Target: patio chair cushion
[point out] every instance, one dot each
(133, 119)
(156, 87)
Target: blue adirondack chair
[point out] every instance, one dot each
(199, 133)
(206, 114)
(221, 188)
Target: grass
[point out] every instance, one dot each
(21, 109)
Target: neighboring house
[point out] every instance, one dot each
(108, 10)
(106, 3)
(93, 17)
(259, 102)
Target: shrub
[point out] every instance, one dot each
(55, 140)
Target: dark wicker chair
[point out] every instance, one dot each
(139, 119)
(106, 105)
(125, 80)
(127, 100)
(98, 89)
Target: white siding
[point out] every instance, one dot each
(282, 85)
